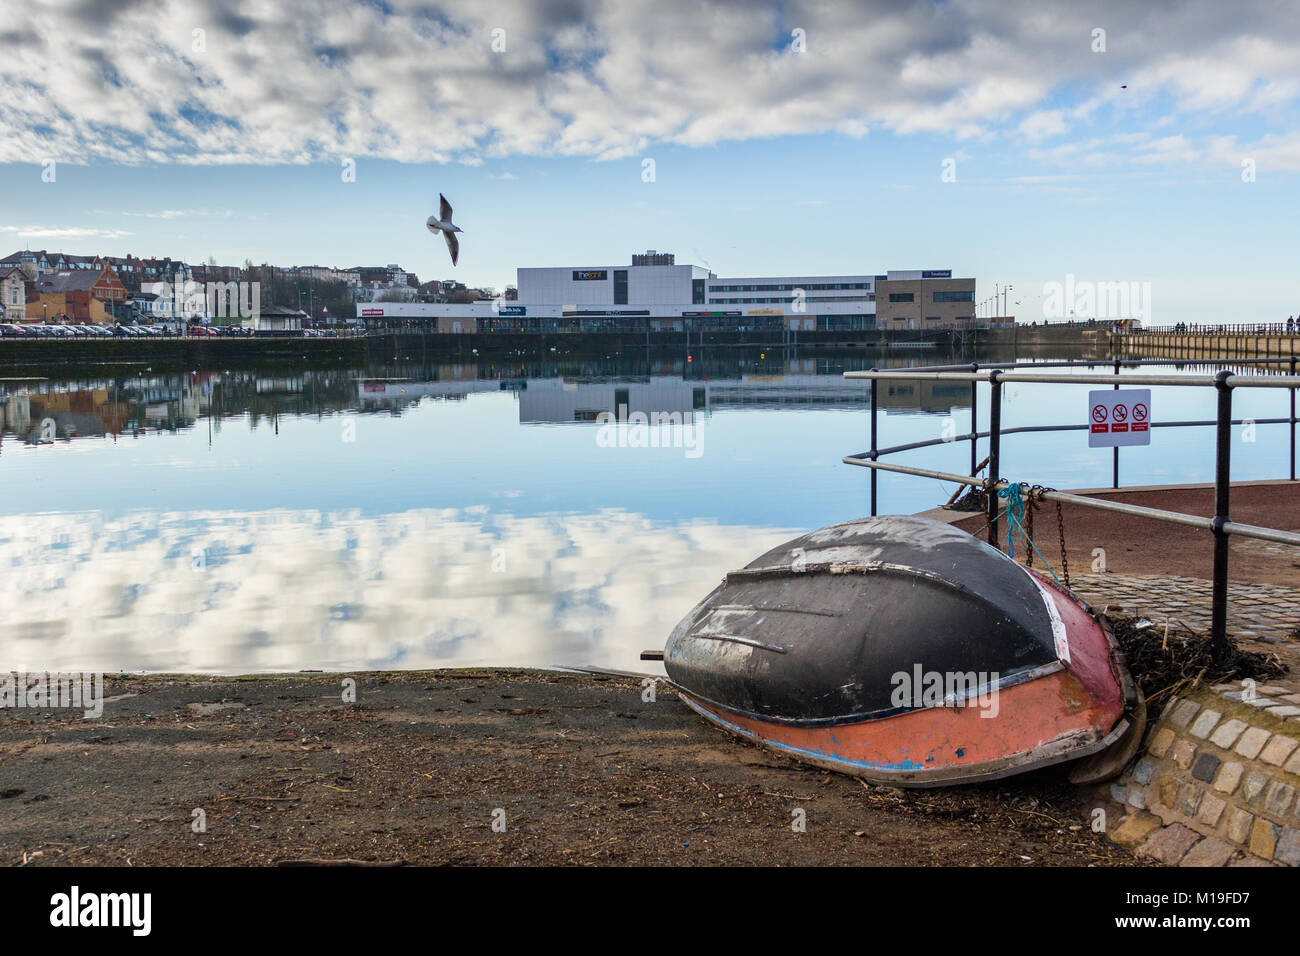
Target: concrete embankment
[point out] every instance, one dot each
(1082, 341)
(180, 352)
(413, 344)
(1202, 345)
(1062, 341)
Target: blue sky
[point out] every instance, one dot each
(767, 159)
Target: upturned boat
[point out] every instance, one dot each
(907, 652)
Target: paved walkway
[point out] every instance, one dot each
(1262, 612)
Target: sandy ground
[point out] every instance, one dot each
(585, 771)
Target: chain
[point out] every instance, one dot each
(1030, 506)
(1065, 563)
(1033, 499)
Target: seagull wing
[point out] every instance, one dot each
(453, 245)
(444, 210)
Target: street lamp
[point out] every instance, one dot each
(311, 299)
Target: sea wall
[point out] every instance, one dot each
(179, 352)
(413, 343)
(1207, 345)
(1217, 784)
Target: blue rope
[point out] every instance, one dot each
(1015, 512)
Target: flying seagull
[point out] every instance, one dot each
(442, 223)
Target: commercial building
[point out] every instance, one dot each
(924, 299)
(656, 294)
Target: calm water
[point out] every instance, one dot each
(440, 515)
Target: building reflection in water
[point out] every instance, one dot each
(575, 391)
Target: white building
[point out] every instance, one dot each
(652, 293)
(613, 285)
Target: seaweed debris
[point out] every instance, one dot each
(976, 499)
(1165, 659)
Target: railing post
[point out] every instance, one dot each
(875, 391)
(1293, 418)
(1114, 479)
(995, 451)
(974, 419)
(1222, 476)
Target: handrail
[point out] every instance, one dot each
(1224, 382)
(1094, 363)
(1047, 378)
(1236, 328)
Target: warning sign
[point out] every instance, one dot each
(1119, 417)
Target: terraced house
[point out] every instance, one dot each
(33, 262)
(78, 295)
(13, 293)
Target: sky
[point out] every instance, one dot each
(1017, 142)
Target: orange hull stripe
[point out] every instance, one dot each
(1027, 717)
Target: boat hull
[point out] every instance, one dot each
(913, 658)
(935, 747)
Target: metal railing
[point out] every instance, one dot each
(1236, 328)
(998, 374)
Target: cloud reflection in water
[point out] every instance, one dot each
(230, 592)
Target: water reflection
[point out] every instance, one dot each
(277, 590)
(413, 515)
(41, 411)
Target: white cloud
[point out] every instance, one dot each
(1272, 153)
(1043, 124)
(295, 82)
(63, 232)
(183, 214)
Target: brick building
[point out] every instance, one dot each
(82, 295)
(924, 299)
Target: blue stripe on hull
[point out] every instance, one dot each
(789, 748)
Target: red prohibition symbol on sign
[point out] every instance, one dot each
(1120, 412)
(1139, 412)
(1099, 413)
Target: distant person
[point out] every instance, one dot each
(1290, 323)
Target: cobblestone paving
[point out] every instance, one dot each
(1264, 612)
(1217, 783)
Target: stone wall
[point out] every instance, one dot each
(1205, 345)
(1217, 783)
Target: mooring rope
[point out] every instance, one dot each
(1015, 512)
